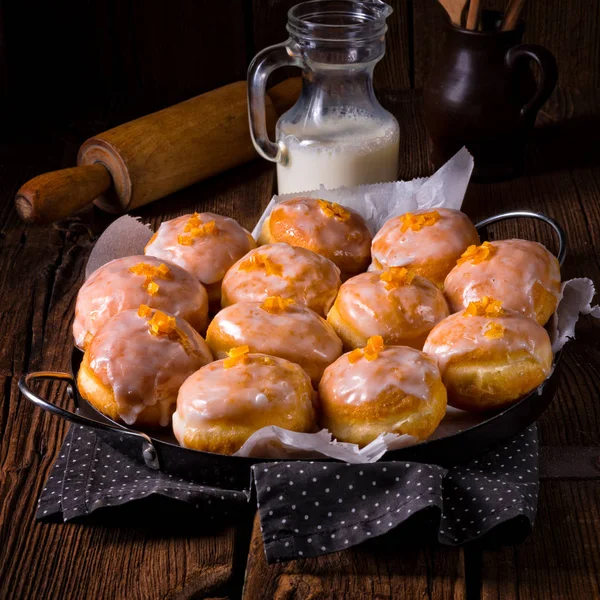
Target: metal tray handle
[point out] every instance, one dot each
(149, 453)
(560, 232)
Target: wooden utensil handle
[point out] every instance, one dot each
(55, 195)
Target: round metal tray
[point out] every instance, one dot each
(161, 451)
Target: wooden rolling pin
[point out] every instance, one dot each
(149, 158)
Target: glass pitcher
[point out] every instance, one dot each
(337, 133)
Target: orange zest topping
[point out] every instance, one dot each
(193, 221)
(374, 347)
(417, 222)
(333, 210)
(494, 331)
(486, 307)
(152, 288)
(144, 311)
(236, 356)
(476, 254)
(260, 262)
(163, 271)
(195, 228)
(162, 323)
(276, 304)
(394, 277)
(370, 352)
(150, 272)
(355, 356)
(184, 240)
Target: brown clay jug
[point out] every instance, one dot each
(482, 94)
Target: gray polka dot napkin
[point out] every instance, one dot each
(309, 508)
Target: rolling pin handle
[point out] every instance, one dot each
(56, 195)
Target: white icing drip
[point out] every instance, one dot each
(407, 310)
(459, 335)
(209, 257)
(449, 236)
(114, 288)
(144, 369)
(396, 367)
(296, 333)
(308, 278)
(508, 275)
(303, 218)
(236, 393)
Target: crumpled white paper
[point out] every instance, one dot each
(376, 203)
(379, 202)
(576, 297)
(275, 442)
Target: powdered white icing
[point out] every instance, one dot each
(308, 278)
(404, 311)
(396, 367)
(296, 333)
(236, 394)
(449, 236)
(459, 335)
(509, 275)
(209, 256)
(144, 369)
(304, 218)
(113, 288)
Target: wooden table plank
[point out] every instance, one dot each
(390, 566)
(560, 559)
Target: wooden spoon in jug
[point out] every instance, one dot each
(455, 9)
(473, 14)
(512, 14)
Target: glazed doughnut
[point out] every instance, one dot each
(136, 363)
(489, 357)
(204, 244)
(276, 327)
(428, 241)
(523, 275)
(396, 304)
(128, 282)
(380, 389)
(329, 229)
(220, 406)
(282, 270)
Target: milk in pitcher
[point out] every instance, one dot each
(344, 148)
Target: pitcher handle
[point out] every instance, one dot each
(264, 63)
(548, 72)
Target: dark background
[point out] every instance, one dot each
(101, 62)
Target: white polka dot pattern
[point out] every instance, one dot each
(309, 508)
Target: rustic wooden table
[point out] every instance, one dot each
(124, 553)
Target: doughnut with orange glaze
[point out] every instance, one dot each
(396, 304)
(205, 244)
(136, 363)
(428, 241)
(276, 327)
(489, 356)
(381, 389)
(329, 229)
(523, 275)
(128, 282)
(282, 270)
(220, 406)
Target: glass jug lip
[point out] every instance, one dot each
(338, 20)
